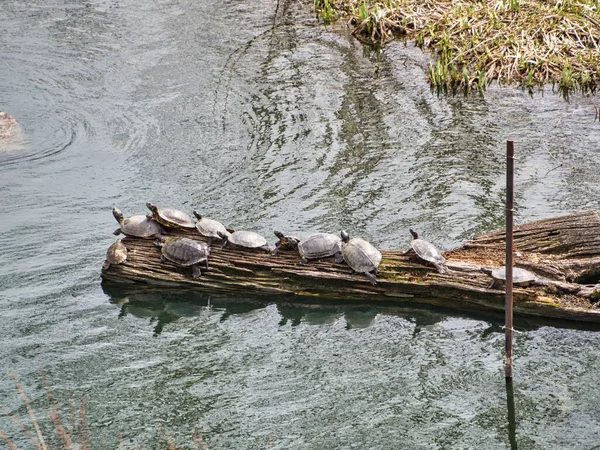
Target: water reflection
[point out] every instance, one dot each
(159, 307)
(165, 306)
(512, 422)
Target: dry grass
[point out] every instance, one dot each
(531, 43)
(73, 435)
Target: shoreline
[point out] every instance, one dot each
(530, 44)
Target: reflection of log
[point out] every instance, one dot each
(565, 250)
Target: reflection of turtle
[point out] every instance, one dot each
(137, 226)
(247, 239)
(185, 252)
(320, 245)
(172, 218)
(426, 251)
(361, 256)
(285, 242)
(521, 277)
(116, 254)
(209, 228)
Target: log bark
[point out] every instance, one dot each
(564, 250)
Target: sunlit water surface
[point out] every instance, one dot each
(256, 115)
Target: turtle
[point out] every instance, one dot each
(209, 228)
(116, 254)
(521, 277)
(137, 226)
(171, 218)
(285, 242)
(184, 252)
(320, 245)
(247, 239)
(361, 256)
(426, 251)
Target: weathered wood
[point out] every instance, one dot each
(566, 250)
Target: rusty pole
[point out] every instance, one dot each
(508, 308)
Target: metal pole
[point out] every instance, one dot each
(508, 319)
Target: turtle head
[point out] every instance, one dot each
(286, 242)
(345, 236)
(197, 215)
(414, 233)
(152, 207)
(118, 214)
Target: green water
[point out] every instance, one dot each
(257, 116)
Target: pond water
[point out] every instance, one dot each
(256, 115)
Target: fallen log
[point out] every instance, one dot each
(565, 251)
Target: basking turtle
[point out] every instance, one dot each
(209, 228)
(171, 218)
(361, 256)
(285, 242)
(320, 245)
(116, 254)
(137, 226)
(521, 277)
(426, 251)
(185, 252)
(247, 239)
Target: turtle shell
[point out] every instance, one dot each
(184, 251)
(519, 275)
(116, 254)
(170, 217)
(360, 255)
(427, 251)
(248, 239)
(210, 228)
(320, 245)
(140, 226)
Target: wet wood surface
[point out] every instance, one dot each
(565, 251)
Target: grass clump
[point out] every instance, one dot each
(530, 43)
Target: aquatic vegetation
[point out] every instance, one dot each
(326, 10)
(529, 43)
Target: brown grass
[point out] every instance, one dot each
(531, 43)
(75, 434)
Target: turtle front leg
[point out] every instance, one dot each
(196, 271)
(117, 232)
(372, 278)
(339, 259)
